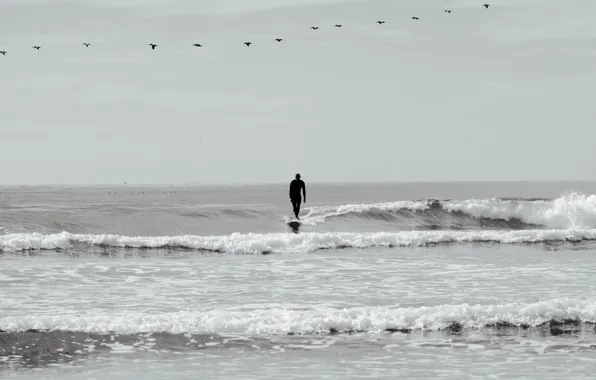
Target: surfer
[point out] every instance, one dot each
(295, 187)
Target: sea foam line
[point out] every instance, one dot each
(291, 243)
(314, 320)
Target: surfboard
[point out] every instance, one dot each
(294, 223)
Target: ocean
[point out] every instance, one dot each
(394, 280)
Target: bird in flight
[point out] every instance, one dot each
(380, 22)
(338, 25)
(153, 46)
(314, 27)
(37, 47)
(86, 44)
(278, 39)
(3, 52)
(248, 44)
(486, 6)
(447, 10)
(197, 45)
(415, 18)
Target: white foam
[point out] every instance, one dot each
(283, 321)
(292, 243)
(569, 211)
(20, 242)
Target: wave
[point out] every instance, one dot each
(282, 321)
(214, 213)
(291, 243)
(570, 211)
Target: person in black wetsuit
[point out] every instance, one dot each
(296, 186)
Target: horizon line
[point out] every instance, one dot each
(265, 183)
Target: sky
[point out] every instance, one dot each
(505, 93)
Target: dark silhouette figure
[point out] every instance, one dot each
(380, 22)
(248, 44)
(3, 52)
(278, 39)
(37, 47)
(197, 45)
(296, 186)
(314, 27)
(447, 10)
(486, 6)
(153, 46)
(86, 44)
(338, 25)
(415, 18)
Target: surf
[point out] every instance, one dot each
(572, 210)
(313, 320)
(286, 243)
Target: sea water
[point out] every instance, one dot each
(413, 280)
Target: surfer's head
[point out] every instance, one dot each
(297, 176)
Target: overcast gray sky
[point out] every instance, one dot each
(500, 94)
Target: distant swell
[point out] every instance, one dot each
(567, 212)
(214, 213)
(281, 321)
(291, 243)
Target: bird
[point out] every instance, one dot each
(415, 18)
(338, 25)
(248, 44)
(86, 44)
(278, 39)
(197, 45)
(380, 22)
(486, 6)
(314, 27)
(37, 47)
(153, 46)
(447, 10)
(3, 52)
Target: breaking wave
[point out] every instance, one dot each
(291, 243)
(282, 321)
(567, 212)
